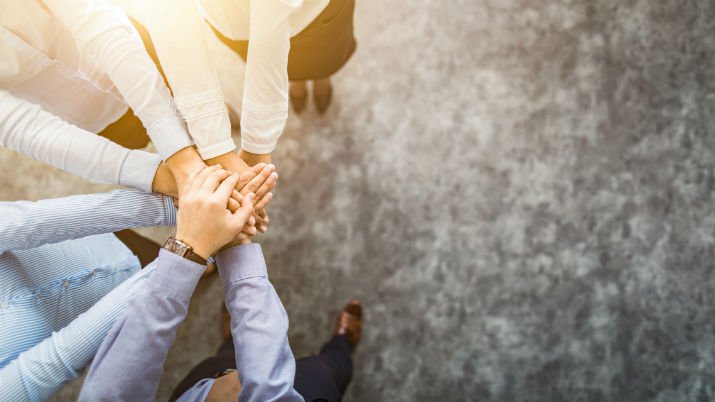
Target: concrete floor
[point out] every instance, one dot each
(521, 193)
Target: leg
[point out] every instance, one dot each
(322, 94)
(326, 376)
(298, 94)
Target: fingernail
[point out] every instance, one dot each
(274, 176)
(261, 165)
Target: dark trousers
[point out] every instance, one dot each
(321, 377)
(145, 249)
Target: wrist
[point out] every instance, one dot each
(199, 248)
(229, 161)
(252, 159)
(183, 162)
(184, 250)
(164, 181)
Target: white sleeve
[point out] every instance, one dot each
(104, 33)
(177, 32)
(28, 129)
(265, 95)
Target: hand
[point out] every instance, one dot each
(229, 161)
(182, 163)
(204, 221)
(232, 162)
(164, 181)
(259, 180)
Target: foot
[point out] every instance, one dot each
(349, 323)
(298, 95)
(322, 94)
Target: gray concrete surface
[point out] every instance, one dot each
(521, 193)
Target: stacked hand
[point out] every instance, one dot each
(205, 221)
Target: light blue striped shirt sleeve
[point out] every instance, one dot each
(41, 371)
(28, 224)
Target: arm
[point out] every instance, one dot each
(259, 324)
(130, 361)
(177, 32)
(27, 224)
(104, 33)
(265, 95)
(129, 364)
(28, 129)
(41, 371)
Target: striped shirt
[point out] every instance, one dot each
(57, 259)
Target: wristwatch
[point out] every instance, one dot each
(184, 250)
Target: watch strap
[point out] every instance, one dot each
(183, 250)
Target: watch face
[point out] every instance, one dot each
(176, 247)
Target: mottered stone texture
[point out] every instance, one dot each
(520, 192)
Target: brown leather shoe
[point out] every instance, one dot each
(349, 323)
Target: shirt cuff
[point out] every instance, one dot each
(241, 262)
(169, 136)
(256, 148)
(207, 119)
(262, 125)
(217, 149)
(170, 211)
(177, 276)
(138, 170)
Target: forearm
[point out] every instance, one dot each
(28, 224)
(259, 324)
(129, 363)
(186, 61)
(104, 33)
(265, 96)
(41, 371)
(29, 130)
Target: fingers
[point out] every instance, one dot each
(192, 176)
(233, 205)
(243, 238)
(263, 201)
(249, 230)
(250, 174)
(214, 179)
(244, 212)
(226, 187)
(199, 180)
(266, 186)
(255, 183)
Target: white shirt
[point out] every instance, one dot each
(178, 35)
(27, 128)
(82, 61)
